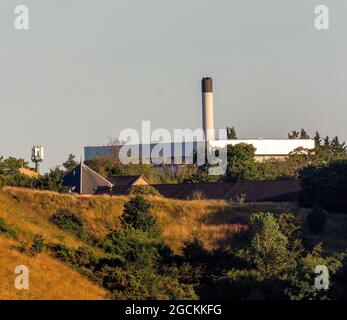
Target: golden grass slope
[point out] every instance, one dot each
(29, 213)
(213, 222)
(48, 278)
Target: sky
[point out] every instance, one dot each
(87, 69)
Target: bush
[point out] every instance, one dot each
(139, 285)
(144, 191)
(37, 245)
(69, 221)
(6, 230)
(317, 220)
(136, 214)
(135, 247)
(325, 186)
(82, 259)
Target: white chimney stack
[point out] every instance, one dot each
(207, 108)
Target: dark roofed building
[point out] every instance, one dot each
(253, 191)
(84, 180)
(129, 180)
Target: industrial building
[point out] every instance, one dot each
(265, 148)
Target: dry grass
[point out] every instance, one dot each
(29, 212)
(48, 278)
(212, 221)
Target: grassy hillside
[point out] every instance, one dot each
(211, 221)
(29, 212)
(49, 279)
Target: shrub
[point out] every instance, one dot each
(136, 214)
(69, 221)
(135, 246)
(317, 220)
(37, 245)
(6, 230)
(139, 285)
(82, 259)
(325, 186)
(144, 191)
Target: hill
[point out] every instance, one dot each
(28, 213)
(212, 221)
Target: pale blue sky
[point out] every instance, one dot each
(89, 68)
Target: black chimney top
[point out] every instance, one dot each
(206, 85)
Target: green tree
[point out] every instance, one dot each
(231, 133)
(51, 181)
(136, 214)
(294, 135)
(241, 162)
(318, 140)
(12, 164)
(304, 134)
(70, 163)
(267, 250)
(337, 147)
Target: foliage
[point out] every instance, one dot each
(138, 285)
(300, 281)
(111, 166)
(12, 164)
(317, 220)
(70, 163)
(136, 247)
(267, 251)
(325, 186)
(6, 230)
(51, 181)
(69, 221)
(241, 163)
(231, 133)
(37, 245)
(136, 214)
(144, 191)
(202, 177)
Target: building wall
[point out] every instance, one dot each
(265, 149)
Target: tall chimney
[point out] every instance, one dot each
(207, 108)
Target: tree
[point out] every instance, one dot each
(268, 246)
(70, 163)
(52, 181)
(325, 186)
(231, 133)
(294, 135)
(304, 134)
(12, 164)
(136, 214)
(318, 140)
(241, 162)
(336, 147)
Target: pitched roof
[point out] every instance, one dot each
(126, 180)
(84, 180)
